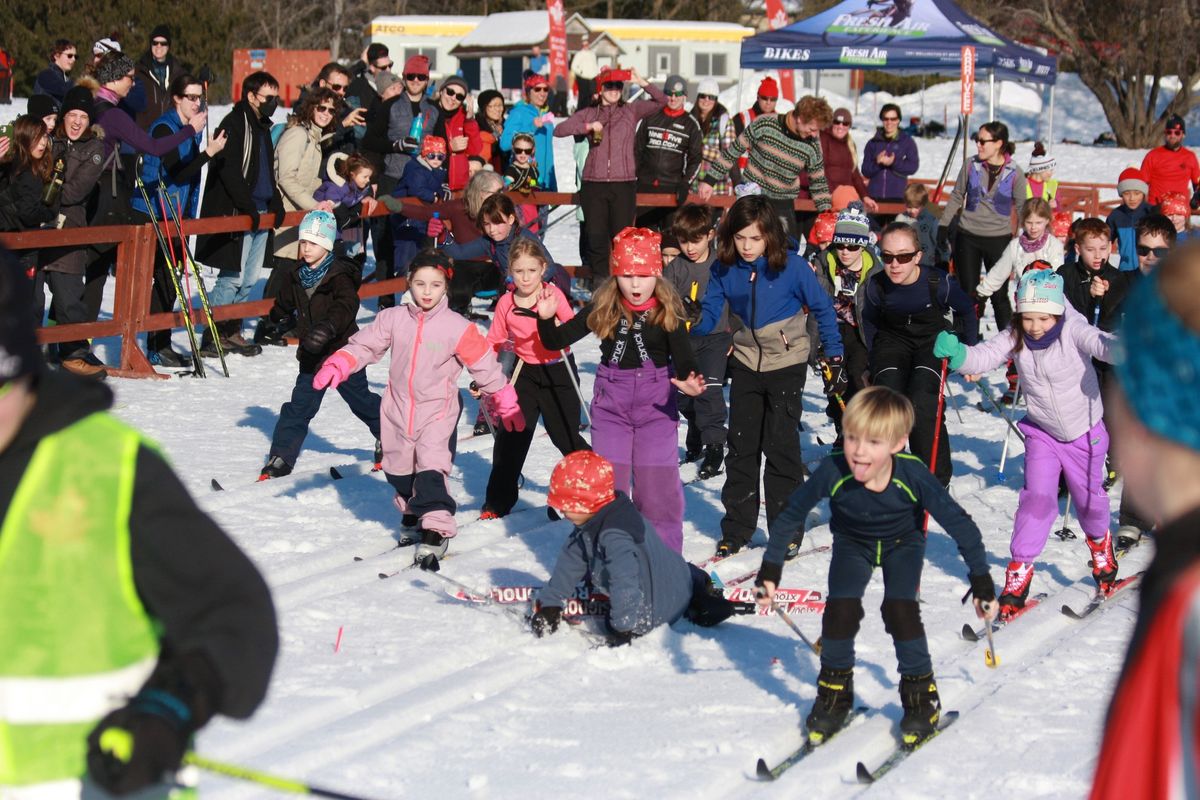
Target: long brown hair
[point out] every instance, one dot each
(27, 131)
(308, 109)
(750, 210)
(607, 308)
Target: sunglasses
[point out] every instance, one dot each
(435, 156)
(1174, 131)
(706, 97)
(326, 109)
(852, 248)
(985, 141)
(613, 86)
(676, 94)
(540, 89)
(457, 96)
(899, 258)
(523, 150)
(843, 122)
(762, 99)
(891, 119)
(161, 44)
(412, 76)
(195, 98)
(386, 66)
(1159, 252)
(71, 56)
(339, 88)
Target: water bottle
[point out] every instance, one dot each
(437, 240)
(417, 131)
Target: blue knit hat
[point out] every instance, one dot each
(320, 228)
(852, 226)
(1041, 292)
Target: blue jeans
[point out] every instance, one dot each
(233, 286)
(295, 415)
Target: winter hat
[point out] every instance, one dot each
(19, 353)
(417, 65)
(1132, 180)
(1040, 292)
(376, 51)
(1040, 161)
(161, 32)
(78, 98)
(113, 67)
(1175, 121)
(843, 116)
(535, 80)
(320, 228)
(581, 483)
(454, 80)
(674, 83)
(823, 228)
(106, 46)
(852, 226)
(433, 144)
(843, 196)
(384, 80)
(41, 105)
(768, 88)
(431, 257)
(1061, 226)
(709, 86)
(636, 251)
(1034, 266)
(1173, 204)
(608, 75)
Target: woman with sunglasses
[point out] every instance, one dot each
(54, 81)
(532, 116)
(490, 115)
(450, 120)
(990, 187)
(889, 158)
(717, 133)
(841, 158)
(904, 310)
(299, 158)
(608, 193)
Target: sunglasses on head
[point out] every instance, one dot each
(523, 150)
(899, 258)
(613, 85)
(456, 95)
(849, 248)
(412, 76)
(1159, 252)
(706, 97)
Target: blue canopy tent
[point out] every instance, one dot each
(896, 36)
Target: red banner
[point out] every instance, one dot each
(558, 42)
(777, 18)
(968, 80)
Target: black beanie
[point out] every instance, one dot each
(19, 355)
(79, 98)
(42, 105)
(161, 32)
(376, 51)
(1176, 121)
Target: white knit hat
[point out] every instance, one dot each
(1041, 292)
(709, 86)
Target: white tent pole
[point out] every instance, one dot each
(923, 120)
(991, 94)
(1050, 135)
(741, 86)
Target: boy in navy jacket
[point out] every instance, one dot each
(425, 178)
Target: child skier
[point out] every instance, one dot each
(878, 498)
(768, 288)
(1039, 178)
(916, 213)
(429, 346)
(688, 272)
(620, 553)
(1064, 431)
(1092, 284)
(521, 175)
(320, 301)
(545, 385)
(1122, 221)
(1034, 243)
(643, 340)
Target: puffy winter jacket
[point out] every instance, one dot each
(613, 159)
(520, 120)
(298, 160)
(887, 183)
(1015, 260)
(333, 300)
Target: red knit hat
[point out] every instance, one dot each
(433, 144)
(1061, 226)
(768, 88)
(1132, 180)
(1174, 203)
(822, 229)
(582, 483)
(536, 80)
(636, 251)
(417, 65)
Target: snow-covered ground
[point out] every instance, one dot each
(429, 696)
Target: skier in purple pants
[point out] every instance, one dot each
(1053, 346)
(640, 321)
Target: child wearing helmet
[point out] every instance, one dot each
(320, 301)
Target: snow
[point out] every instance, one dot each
(509, 29)
(429, 696)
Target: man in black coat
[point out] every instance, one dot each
(241, 180)
(668, 147)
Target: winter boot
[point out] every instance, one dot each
(85, 364)
(276, 468)
(1017, 579)
(167, 357)
(234, 343)
(1104, 560)
(1128, 536)
(922, 708)
(378, 463)
(433, 547)
(793, 549)
(690, 454)
(835, 698)
(726, 548)
(714, 454)
(481, 427)
(208, 345)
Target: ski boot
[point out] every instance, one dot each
(433, 547)
(481, 427)
(794, 547)
(922, 708)
(726, 548)
(835, 698)
(168, 357)
(1017, 579)
(276, 468)
(1104, 561)
(488, 513)
(1128, 536)
(1110, 473)
(714, 454)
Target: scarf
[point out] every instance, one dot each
(1033, 245)
(625, 331)
(310, 275)
(646, 306)
(1048, 338)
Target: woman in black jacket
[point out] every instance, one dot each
(24, 202)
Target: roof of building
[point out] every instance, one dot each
(454, 27)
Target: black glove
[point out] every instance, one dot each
(943, 238)
(835, 379)
(692, 310)
(982, 588)
(1196, 199)
(279, 218)
(406, 145)
(205, 74)
(545, 620)
(769, 572)
(319, 337)
(681, 194)
(270, 330)
(253, 219)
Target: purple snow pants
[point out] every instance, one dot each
(636, 427)
(1082, 462)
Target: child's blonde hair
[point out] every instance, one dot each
(1037, 206)
(525, 247)
(607, 308)
(878, 412)
(915, 195)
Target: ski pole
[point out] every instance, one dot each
(263, 778)
(985, 389)
(783, 615)
(937, 432)
(954, 400)
(182, 290)
(1011, 413)
(578, 391)
(937, 192)
(190, 262)
(989, 655)
(827, 373)
(1064, 533)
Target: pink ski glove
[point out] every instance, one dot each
(506, 407)
(336, 369)
(435, 227)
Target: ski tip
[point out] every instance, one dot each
(864, 774)
(216, 487)
(383, 576)
(333, 473)
(1070, 612)
(763, 771)
(969, 634)
(358, 558)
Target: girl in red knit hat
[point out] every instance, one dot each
(644, 344)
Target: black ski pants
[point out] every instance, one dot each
(607, 209)
(706, 413)
(974, 255)
(909, 366)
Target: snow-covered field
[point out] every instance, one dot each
(428, 696)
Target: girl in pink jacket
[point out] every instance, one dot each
(430, 345)
(1053, 346)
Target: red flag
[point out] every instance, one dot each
(558, 42)
(776, 19)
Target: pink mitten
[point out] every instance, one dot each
(506, 407)
(435, 227)
(336, 369)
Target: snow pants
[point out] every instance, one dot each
(909, 366)
(1081, 462)
(292, 426)
(706, 413)
(417, 469)
(635, 425)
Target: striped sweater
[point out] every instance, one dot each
(776, 159)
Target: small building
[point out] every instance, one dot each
(432, 36)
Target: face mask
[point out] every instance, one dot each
(267, 108)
